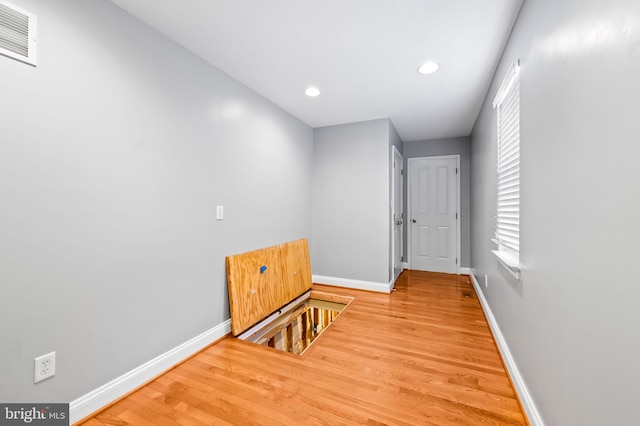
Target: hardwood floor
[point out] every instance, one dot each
(423, 355)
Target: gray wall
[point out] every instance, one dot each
(450, 146)
(114, 152)
(351, 201)
(394, 140)
(572, 322)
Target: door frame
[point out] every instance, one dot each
(395, 152)
(411, 162)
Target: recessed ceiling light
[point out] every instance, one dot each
(312, 91)
(428, 68)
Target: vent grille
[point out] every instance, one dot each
(17, 33)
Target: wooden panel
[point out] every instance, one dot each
(297, 268)
(331, 297)
(264, 280)
(422, 355)
(254, 292)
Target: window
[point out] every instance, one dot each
(507, 231)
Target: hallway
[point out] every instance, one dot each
(421, 355)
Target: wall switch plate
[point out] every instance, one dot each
(486, 280)
(45, 367)
(219, 212)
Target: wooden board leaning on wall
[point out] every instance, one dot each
(262, 281)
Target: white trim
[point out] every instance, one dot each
(458, 221)
(117, 388)
(392, 283)
(518, 381)
(405, 265)
(392, 205)
(355, 284)
(510, 263)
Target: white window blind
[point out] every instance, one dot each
(507, 230)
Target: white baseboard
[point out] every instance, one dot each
(405, 265)
(521, 388)
(355, 284)
(106, 394)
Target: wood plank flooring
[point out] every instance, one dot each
(423, 355)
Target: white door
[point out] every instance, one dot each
(397, 221)
(433, 199)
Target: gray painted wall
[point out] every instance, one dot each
(450, 146)
(114, 152)
(394, 140)
(572, 323)
(351, 201)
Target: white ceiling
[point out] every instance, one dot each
(362, 54)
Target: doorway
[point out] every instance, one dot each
(397, 213)
(433, 207)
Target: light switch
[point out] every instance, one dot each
(219, 212)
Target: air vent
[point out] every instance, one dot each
(17, 33)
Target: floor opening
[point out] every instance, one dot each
(296, 327)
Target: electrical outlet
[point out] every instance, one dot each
(45, 367)
(486, 280)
